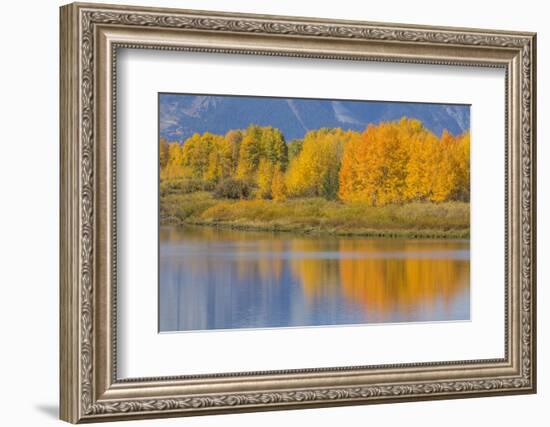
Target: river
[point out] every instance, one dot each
(213, 278)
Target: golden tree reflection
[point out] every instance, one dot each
(403, 278)
(318, 272)
(223, 277)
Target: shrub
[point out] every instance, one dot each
(181, 207)
(233, 189)
(184, 186)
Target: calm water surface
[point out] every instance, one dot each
(223, 279)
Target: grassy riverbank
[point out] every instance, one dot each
(319, 216)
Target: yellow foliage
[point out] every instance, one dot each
(173, 163)
(389, 163)
(260, 144)
(314, 170)
(401, 161)
(278, 186)
(265, 178)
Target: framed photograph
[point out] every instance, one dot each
(265, 212)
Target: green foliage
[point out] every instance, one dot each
(274, 148)
(163, 153)
(234, 139)
(259, 144)
(294, 148)
(250, 152)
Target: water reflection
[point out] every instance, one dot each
(223, 279)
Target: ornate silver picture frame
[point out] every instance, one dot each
(91, 35)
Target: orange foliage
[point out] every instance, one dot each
(401, 161)
(389, 163)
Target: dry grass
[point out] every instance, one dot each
(317, 215)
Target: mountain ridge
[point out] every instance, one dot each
(181, 115)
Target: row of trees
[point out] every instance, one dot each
(402, 161)
(393, 162)
(242, 154)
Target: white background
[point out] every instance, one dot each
(29, 171)
(145, 353)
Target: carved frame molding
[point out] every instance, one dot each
(90, 37)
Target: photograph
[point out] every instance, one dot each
(296, 212)
(264, 210)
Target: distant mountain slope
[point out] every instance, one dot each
(183, 115)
